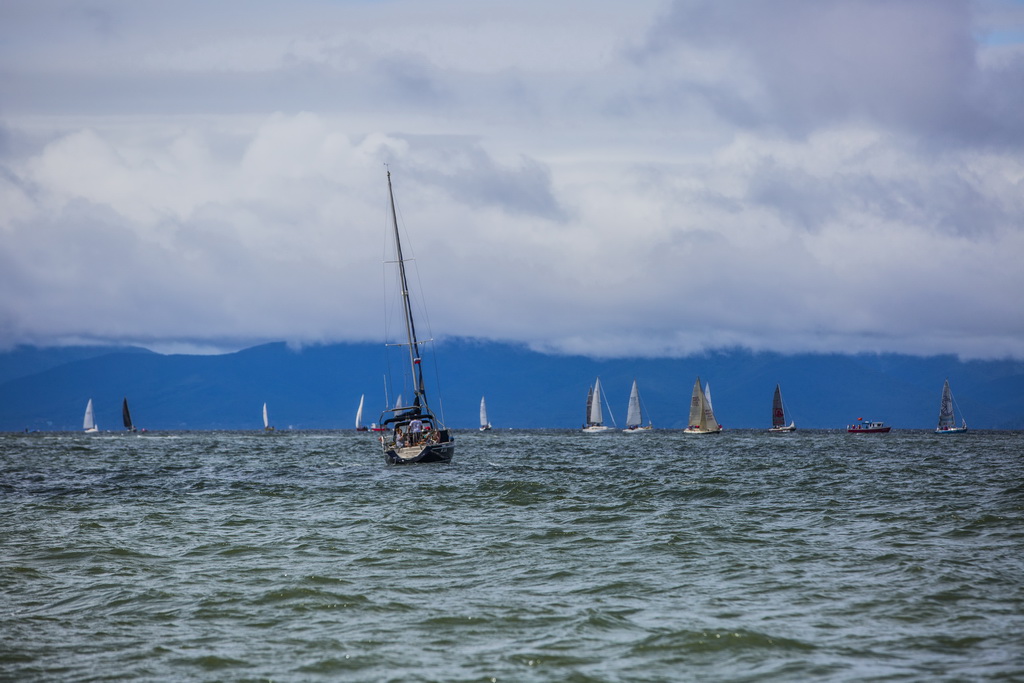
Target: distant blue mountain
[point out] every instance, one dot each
(318, 387)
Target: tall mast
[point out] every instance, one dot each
(410, 327)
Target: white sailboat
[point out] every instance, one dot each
(89, 422)
(634, 414)
(595, 418)
(702, 416)
(417, 435)
(359, 416)
(485, 426)
(266, 420)
(779, 414)
(947, 420)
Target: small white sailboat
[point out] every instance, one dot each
(595, 418)
(779, 414)
(485, 426)
(89, 422)
(702, 416)
(266, 420)
(947, 420)
(359, 416)
(634, 414)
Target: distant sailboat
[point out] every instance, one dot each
(485, 426)
(779, 414)
(595, 418)
(89, 423)
(947, 420)
(359, 416)
(634, 414)
(126, 416)
(702, 416)
(266, 420)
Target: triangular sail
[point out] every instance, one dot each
(483, 413)
(633, 417)
(709, 413)
(88, 422)
(266, 419)
(126, 416)
(359, 412)
(946, 419)
(596, 417)
(697, 406)
(778, 412)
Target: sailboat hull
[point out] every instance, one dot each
(951, 430)
(598, 429)
(638, 430)
(698, 430)
(410, 455)
(791, 427)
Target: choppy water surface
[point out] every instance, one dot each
(534, 556)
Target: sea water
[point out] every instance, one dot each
(533, 556)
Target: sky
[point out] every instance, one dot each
(652, 178)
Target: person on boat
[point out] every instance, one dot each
(399, 438)
(415, 431)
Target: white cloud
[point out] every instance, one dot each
(642, 180)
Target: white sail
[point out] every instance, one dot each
(88, 422)
(697, 405)
(398, 402)
(709, 413)
(484, 424)
(596, 417)
(359, 413)
(633, 417)
(266, 419)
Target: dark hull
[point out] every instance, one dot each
(438, 452)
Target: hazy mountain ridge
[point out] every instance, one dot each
(318, 387)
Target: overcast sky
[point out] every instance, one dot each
(588, 176)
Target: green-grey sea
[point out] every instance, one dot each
(533, 556)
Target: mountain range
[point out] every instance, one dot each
(319, 387)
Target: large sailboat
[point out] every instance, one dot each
(634, 414)
(414, 434)
(485, 425)
(595, 418)
(126, 416)
(779, 414)
(947, 420)
(702, 417)
(89, 422)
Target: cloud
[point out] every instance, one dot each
(657, 179)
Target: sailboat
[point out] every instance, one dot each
(126, 416)
(779, 414)
(359, 416)
(634, 417)
(416, 434)
(595, 419)
(89, 423)
(266, 420)
(702, 417)
(485, 426)
(947, 420)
